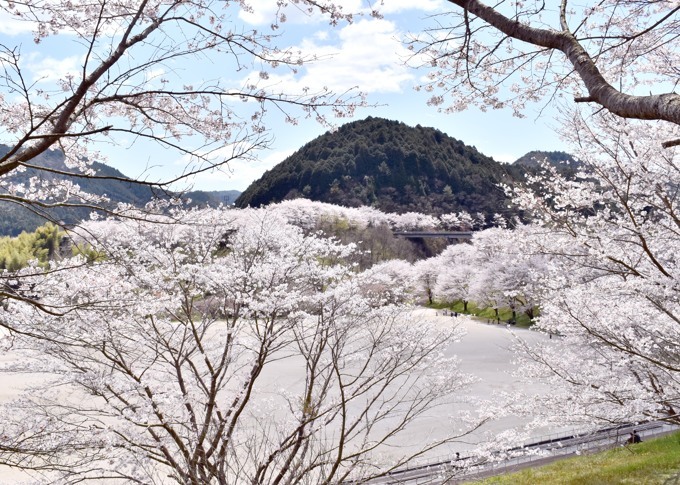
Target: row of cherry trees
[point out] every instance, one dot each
(218, 346)
(492, 272)
(307, 214)
(600, 261)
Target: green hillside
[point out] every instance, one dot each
(653, 462)
(391, 166)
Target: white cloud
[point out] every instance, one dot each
(397, 6)
(9, 25)
(366, 55)
(260, 13)
(240, 173)
(49, 69)
(369, 56)
(321, 35)
(264, 12)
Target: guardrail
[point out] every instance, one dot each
(448, 469)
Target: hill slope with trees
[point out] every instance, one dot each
(107, 182)
(391, 166)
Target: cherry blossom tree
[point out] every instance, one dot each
(486, 286)
(610, 237)
(128, 87)
(413, 221)
(509, 275)
(611, 288)
(426, 272)
(228, 347)
(457, 270)
(619, 54)
(494, 270)
(458, 221)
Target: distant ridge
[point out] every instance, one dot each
(533, 159)
(391, 166)
(16, 219)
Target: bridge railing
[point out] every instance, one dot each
(430, 234)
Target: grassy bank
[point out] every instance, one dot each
(505, 314)
(650, 462)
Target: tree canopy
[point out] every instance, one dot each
(128, 90)
(621, 55)
(225, 347)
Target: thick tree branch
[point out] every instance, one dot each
(664, 107)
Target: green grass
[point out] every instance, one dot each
(505, 314)
(650, 462)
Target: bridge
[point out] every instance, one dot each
(459, 235)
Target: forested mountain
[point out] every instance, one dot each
(375, 162)
(533, 159)
(391, 166)
(14, 218)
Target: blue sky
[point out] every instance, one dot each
(366, 54)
